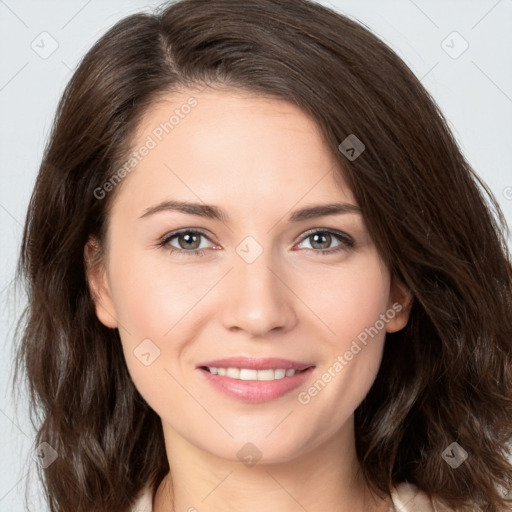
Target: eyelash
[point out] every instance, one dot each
(346, 242)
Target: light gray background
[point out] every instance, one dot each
(474, 90)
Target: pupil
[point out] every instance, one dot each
(188, 237)
(325, 244)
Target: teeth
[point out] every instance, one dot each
(279, 374)
(233, 373)
(266, 375)
(250, 374)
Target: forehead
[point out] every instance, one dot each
(231, 146)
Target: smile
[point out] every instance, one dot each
(252, 374)
(254, 380)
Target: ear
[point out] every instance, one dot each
(400, 302)
(98, 283)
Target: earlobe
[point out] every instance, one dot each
(399, 306)
(98, 284)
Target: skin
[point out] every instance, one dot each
(259, 159)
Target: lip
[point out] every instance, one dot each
(257, 363)
(256, 391)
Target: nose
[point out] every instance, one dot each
(258, 298)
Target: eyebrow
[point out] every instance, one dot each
(216, 213)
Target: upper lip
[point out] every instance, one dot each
(266, 363)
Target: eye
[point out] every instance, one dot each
(189, 242)
(321, 239)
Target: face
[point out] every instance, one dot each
(239, 297)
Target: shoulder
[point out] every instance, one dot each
(144, 502)
(406, 497)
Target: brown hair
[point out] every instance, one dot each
(447, 376)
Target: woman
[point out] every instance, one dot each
(256, 369)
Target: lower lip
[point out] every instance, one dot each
(256, 391)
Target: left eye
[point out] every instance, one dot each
(189, 241)
(323, 239)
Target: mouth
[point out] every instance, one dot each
(252, 374)
(255, 380)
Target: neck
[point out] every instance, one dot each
(325, 478)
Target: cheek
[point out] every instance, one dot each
(355, 300)
(152, 295)
(349, 298)
(156, 304)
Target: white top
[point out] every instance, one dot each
(405, 497)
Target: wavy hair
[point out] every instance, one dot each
(446, 377)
